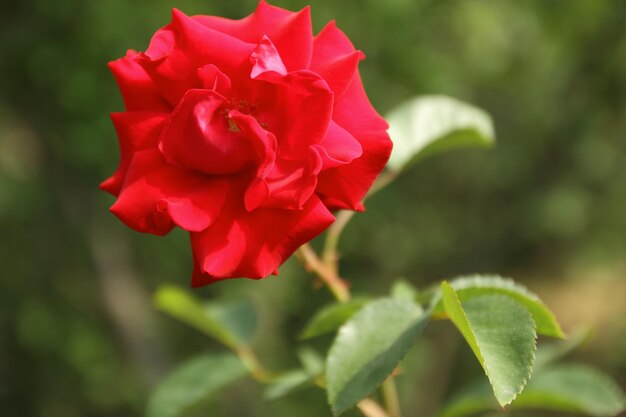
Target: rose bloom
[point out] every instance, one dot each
(246, 133)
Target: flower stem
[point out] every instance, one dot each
(250, 360)
(330, 256)
(390, 394)
(327, 274)
(371, 408)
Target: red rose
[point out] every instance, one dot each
(246, 133)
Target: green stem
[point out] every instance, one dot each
(327, 274)
(371, 408)
(390, 394)
(250, 360)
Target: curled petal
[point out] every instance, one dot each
(200, 136)
(345, 187)
(254, 244)
(289, 184)
(213, 79)
(156, 196)
(266, 62)
(138, 90)
(339, 147)
(135, 131)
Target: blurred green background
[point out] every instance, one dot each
(78, 333)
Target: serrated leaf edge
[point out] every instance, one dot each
(520, 388)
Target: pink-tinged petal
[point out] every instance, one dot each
(345, 187)
(339, 72)
(329, 44)
(254, 244)
(138, 90)
(213, 79)
(339, 147)
(200, 136)
(266, 62)
(136, 131)
(156, 196)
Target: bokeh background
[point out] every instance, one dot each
(78, 332)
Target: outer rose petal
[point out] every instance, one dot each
(138, 90)
(290, 32)
(135, 131)
(155, 196)
(254, 244)
(329, 44)
(179, 49)
(346, 186)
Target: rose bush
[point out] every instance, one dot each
(246, 133)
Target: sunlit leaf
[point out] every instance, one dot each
(427, 125)
(479, 285)
(194, 384)
(369, 347)
(501, 333)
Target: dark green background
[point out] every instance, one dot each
(78, 334)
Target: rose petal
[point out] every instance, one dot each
(200, 136)
(291, 32)
(254, 244)
(251, 28)
(354, 112)
(155, 196)
(339, 72)
(213, 79)
(339, 147)
(345, 186)
(329, 44)
(138, 90)
(266, 62)
(289, 184)
(135, 131)
(177, 50)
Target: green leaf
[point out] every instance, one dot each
(427, 125)
(313, 367)
(501, 332)
(551, 352)
(566, 388)
(403, 290)
(237, 318)
(331, 317)
(479, 285)
(287, 383)
(574, 388)
(193, 384)
(369, 347)
(232, 324)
